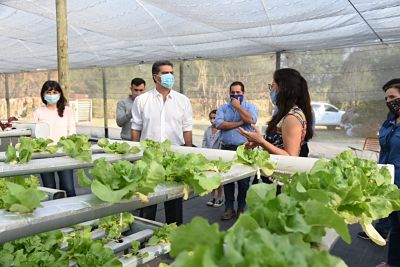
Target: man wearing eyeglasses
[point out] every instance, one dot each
(237, 113)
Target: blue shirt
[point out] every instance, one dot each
(389, 139)
(228, 113)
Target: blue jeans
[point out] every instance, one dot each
(229, 189)
(66, 181)
(394, 239)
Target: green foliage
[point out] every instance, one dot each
(115, 224)
(199, 244)
(22, 153)
(355, 189)
(285, 215)
(279, 230)
(121, 180)
(150, 144)
(19, 194)
(87, 252)
(162, 234)
(257, 158)
(117, 147)
(191, 170)
(44, 249)
(197, 233)
(37, 250)
(135, 250)
(222, 166)
(77, 146)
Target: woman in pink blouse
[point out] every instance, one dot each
(60, 119)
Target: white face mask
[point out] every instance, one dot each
(51, 99)
(167, 80)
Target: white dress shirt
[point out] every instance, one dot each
(159, 120)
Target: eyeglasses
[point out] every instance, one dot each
(270, 86)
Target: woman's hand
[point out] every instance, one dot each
(250, 145)
(255, 136)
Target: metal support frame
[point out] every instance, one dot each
(105, 103)
(7, 93)
(278, 60)
(181, 77)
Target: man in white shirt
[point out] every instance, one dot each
(161, 114)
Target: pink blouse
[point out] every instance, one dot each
(59, 126)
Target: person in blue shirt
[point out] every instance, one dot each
(389, 140)
(237, 113)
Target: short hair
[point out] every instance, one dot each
(214, 111)
(156, 66)
(138, 81)
(237, 83)
(392, 83)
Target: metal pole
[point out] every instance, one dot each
(7, 94)
(278, 60)
(181, 66)
(103, 71)
(62, 45)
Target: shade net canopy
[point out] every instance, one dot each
(117, 32)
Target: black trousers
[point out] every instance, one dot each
(66, 181)
(304, 150)
(173, 211)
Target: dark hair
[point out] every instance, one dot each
(293, 91)
(392, 83)
(138, 81)
(61, 102)
(235, 84)
(214, 111)
(155, 69)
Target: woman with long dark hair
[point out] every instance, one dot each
(61, 122)
(291, 126)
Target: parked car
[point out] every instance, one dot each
(327, 115)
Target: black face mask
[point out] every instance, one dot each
(394, 106)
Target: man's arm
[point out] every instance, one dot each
(187, 136)
(187, 124)
(122, 115)
(246, 116)
(136, 135)
(227, 125)
(220, 122)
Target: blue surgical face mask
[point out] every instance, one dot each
(238, 97)
(51, 99)
(167, 80)
(273, 95)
